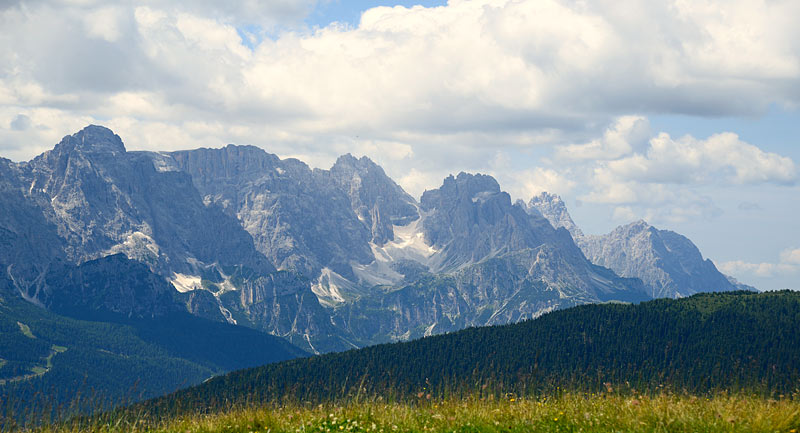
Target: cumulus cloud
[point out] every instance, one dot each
(641, 174)
(789, 264)
(540, 179)
(689, 160)
(622, 170)
(791, 256)
(739, 267)
(544, 68)
(426, 91)
(626, 135)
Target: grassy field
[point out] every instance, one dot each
(570, 412)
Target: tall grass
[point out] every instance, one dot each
(563, 412)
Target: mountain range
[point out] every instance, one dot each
(669, 264)
(326, 259)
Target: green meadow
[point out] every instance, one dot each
(567, 412)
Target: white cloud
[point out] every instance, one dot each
(104, 23)
(539, 179)
(689, 160)
(424, 91)
(629, 133)
(789, 264)
(624, 214)
(485, 67)
(664, 169)
(416, 182)
(791, 257)
(738, 267)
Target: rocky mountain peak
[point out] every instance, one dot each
(91, 139)
(667, 262)
(552, 207)
(349, 161)
(376, 199)
(638, 225)
(636, 228)
(232, 162)
(474, 183)
(465, 188)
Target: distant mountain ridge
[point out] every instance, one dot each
(364, 243)
(327, 259)
(669, 264)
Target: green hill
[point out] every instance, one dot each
(708, 342)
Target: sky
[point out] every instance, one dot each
(683, 113)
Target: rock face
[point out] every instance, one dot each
(296, 218)
(104, 200)
(29, 240)
(89, 198)
(669, 264)
(553, 208)
(377, 200)
(469, 218)
(489, 262)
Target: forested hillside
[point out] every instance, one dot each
(720, 341)
(51, 359)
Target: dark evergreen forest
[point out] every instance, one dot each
(735, 341)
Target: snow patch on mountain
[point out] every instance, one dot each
(163, 162)
(186, 283)
(409, 243)
(329, 287)
(377, 273)
(138, 246)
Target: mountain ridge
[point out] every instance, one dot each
(269, 243)
(668, 263)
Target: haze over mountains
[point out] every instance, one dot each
(327, 259)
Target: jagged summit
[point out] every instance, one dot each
(552, 207)
(466, 187)
(377, 200)
(232, 163)
(668, 263)
(473, 183)
(349, 160)
(94, 139)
